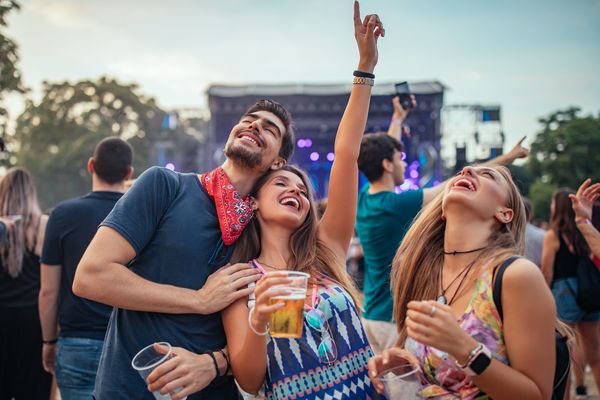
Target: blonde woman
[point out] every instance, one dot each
(21, 372)
(443, 301)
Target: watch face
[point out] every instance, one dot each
(480, 363)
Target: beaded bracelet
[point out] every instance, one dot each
(359, 80)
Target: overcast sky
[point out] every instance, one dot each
(531, 57)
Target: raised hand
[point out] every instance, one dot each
(367, 32)
(519, 151)
(583, 201)
(225, 286)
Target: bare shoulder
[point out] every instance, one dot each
(523, 270)
(524, 279)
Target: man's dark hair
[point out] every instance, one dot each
(375, 148)
(528, 209)
(112, 159)
(288, 138)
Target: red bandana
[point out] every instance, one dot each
(234, 212)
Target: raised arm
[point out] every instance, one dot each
(506, 159)
(337, 224)
(583, 203)
(398, 117)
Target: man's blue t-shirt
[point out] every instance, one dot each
(71, 227)
(172, 224)
(382, 220)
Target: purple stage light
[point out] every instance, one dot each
(314, 156)
(414, 174)
(330, 156)
(170, 166)
(403, 156)
(301, 143)
(307, 142)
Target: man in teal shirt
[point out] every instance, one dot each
(384, 216)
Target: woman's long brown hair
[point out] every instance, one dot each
(563, 223)
(416, 266)
(308, 253)
(18, 196)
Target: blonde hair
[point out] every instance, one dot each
(18, 196)
(416, 266)
(308, 253)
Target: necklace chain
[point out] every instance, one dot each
(453, 253)
(442, 298)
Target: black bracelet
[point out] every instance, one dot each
(53, 341)
(210, 353)
(227, 360)
(362, 74)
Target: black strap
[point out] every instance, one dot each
(497, 289)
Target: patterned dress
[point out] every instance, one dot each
(441, 377)
(294, 370)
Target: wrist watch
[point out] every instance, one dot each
(479, 359)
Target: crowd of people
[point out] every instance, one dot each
(198, 261)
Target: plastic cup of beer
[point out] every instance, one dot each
(287, 322)
(147, 359)
(401, 382)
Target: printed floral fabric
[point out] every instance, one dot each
(442, 379)
(234, 212)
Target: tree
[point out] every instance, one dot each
(567, 150)
(55, 138)
(10, 76)
(541, 197)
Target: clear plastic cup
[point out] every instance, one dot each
(287, 322)
(401, 382)
(147, 359)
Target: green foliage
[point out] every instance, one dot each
(540, 194)
(10, 76)
(567, 150)
(56, 137)
(522, 177)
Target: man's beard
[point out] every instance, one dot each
(242, 156)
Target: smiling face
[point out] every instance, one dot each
(256, 140)
(283, 200)
(484, 191)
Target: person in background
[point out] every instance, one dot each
(449, 323)
(383, 217)
(587, 214)
(534, 236)
(70, 229)
(21, 374)
(564, 245)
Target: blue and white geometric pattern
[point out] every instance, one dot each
(295, 371)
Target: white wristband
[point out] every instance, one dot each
(252, 328)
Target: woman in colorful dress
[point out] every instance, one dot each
(449, 324)
(331, 356)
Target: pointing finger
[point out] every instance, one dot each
(356, 14)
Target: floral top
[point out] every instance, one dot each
(441, 377)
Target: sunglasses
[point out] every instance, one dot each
(327, 349)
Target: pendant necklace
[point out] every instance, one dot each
(442, 297)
